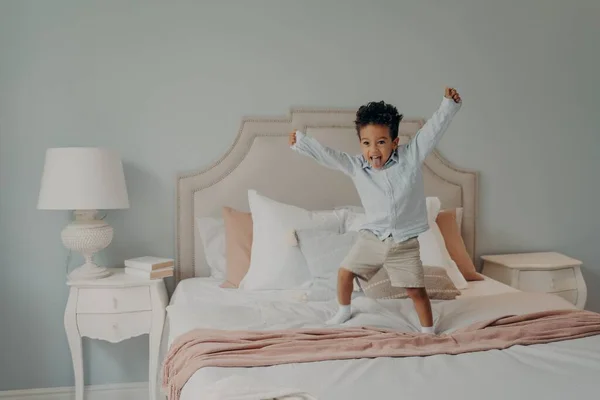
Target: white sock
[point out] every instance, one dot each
(427, 329)
(343, 314)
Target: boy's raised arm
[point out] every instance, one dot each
(430, 134)
(324, 155)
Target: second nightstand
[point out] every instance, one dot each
(539, 272)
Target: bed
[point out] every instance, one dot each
(260, 160)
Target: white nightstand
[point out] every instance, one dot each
(539, 272)
(115, 308)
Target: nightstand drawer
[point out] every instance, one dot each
(113, 300)
(114, 327)
(548, 281)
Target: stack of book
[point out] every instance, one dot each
(150, 267)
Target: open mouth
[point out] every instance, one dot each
(376, 161)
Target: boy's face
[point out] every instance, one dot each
(376, 144)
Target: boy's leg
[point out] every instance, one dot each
(405, 269)
(344, 294)
(423, 307)
(364, 259)
(345, 286)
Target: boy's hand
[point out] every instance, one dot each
(292, 138)
(451, 93)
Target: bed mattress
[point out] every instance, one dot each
(550, 371)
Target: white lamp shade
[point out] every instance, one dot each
(82, 178)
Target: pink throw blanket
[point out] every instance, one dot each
(220, 348)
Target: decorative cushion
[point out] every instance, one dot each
(438, 284)
(238, 244)
(446, 220)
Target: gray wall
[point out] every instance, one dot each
(166, 85)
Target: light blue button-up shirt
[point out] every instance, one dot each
(394, 196)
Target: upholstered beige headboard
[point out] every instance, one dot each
(260, 159)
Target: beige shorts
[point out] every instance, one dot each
(402, 261)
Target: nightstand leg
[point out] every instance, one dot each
(74, 340)
(159, 302)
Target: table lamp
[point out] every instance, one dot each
(84, 180)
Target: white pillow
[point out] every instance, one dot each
(355, 209)
(212, 235)
(274, 264)
(354, 221)
(433, 247)
(324, 251)
(354, 216)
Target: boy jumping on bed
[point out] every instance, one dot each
(389, 181)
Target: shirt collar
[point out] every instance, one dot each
(393, 159)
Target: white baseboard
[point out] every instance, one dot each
(119, 391)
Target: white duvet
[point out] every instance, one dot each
(552, 371)
(236, 387)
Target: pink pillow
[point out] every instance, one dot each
(238, 243)
(455, 245)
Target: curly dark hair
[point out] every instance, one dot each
(378, 113)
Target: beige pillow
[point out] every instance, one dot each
(238, 243)
(446, 221)
(438, 284)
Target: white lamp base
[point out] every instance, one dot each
(88, 271)
(87, 235)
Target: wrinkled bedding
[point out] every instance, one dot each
(550, 371)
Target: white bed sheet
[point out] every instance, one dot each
(197, 289)
(552, 371)
(193, 293)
